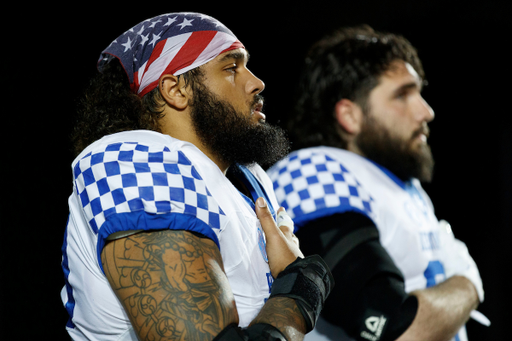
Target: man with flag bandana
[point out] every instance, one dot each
(172, 228)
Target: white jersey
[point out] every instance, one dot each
(322, 181)
(142, 180)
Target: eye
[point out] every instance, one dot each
(232, 68)
(401, 94)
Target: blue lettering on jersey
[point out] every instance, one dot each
(434, 273)
(430, 241)
(270, 280)
(262, 245)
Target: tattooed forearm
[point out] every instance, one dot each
(171, 284)
(283, 313)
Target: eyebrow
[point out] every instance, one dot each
(409, 86)
(237, 55)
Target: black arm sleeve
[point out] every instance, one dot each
(369, 296)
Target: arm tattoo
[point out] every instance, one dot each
(283, 313)
(171, 284)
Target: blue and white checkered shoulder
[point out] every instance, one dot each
(133, 177)
(310, 184)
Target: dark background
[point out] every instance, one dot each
(49, 52)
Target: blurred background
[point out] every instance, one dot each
(50, 52)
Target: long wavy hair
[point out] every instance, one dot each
(109, 106)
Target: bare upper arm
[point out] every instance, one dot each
(171, 283)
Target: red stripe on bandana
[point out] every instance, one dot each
(189, 52)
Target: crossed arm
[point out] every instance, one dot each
(442, 310)
(367, 278)
(172, 285)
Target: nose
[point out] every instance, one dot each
(425, 111)
(254, 85)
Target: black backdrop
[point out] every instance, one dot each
(49, 52)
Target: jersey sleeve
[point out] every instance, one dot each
(310, 184)
(132, 186)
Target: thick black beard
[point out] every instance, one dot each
(395, 154)
(233, 136)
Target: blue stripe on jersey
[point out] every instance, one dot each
(142, 220)
(70, 304)
(389, 174)
(255, 188)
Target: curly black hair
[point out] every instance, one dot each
(344, 64)
(109, 106)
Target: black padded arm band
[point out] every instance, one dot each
(369, 286)
(308, 281)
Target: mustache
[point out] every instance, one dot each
(258, 100)
(424, 129)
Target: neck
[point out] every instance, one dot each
(352, 147)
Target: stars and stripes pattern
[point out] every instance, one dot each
(171, 43)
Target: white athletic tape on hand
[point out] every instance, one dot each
(284, 219)
(479, 317)
(457, 260)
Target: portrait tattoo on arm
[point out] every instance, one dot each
(172, 285)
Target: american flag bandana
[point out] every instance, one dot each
(171, 43)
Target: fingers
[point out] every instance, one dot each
(265, 217)
(284, 222)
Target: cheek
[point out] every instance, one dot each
(231, 91)
(399, 128)
(392, 120)
(402, 122)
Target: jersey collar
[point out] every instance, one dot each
(255, 188)
(392, 176)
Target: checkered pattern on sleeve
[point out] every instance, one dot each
(307, 182)
(130, 177)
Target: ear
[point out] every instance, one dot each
(173, 91)
(349, 116)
